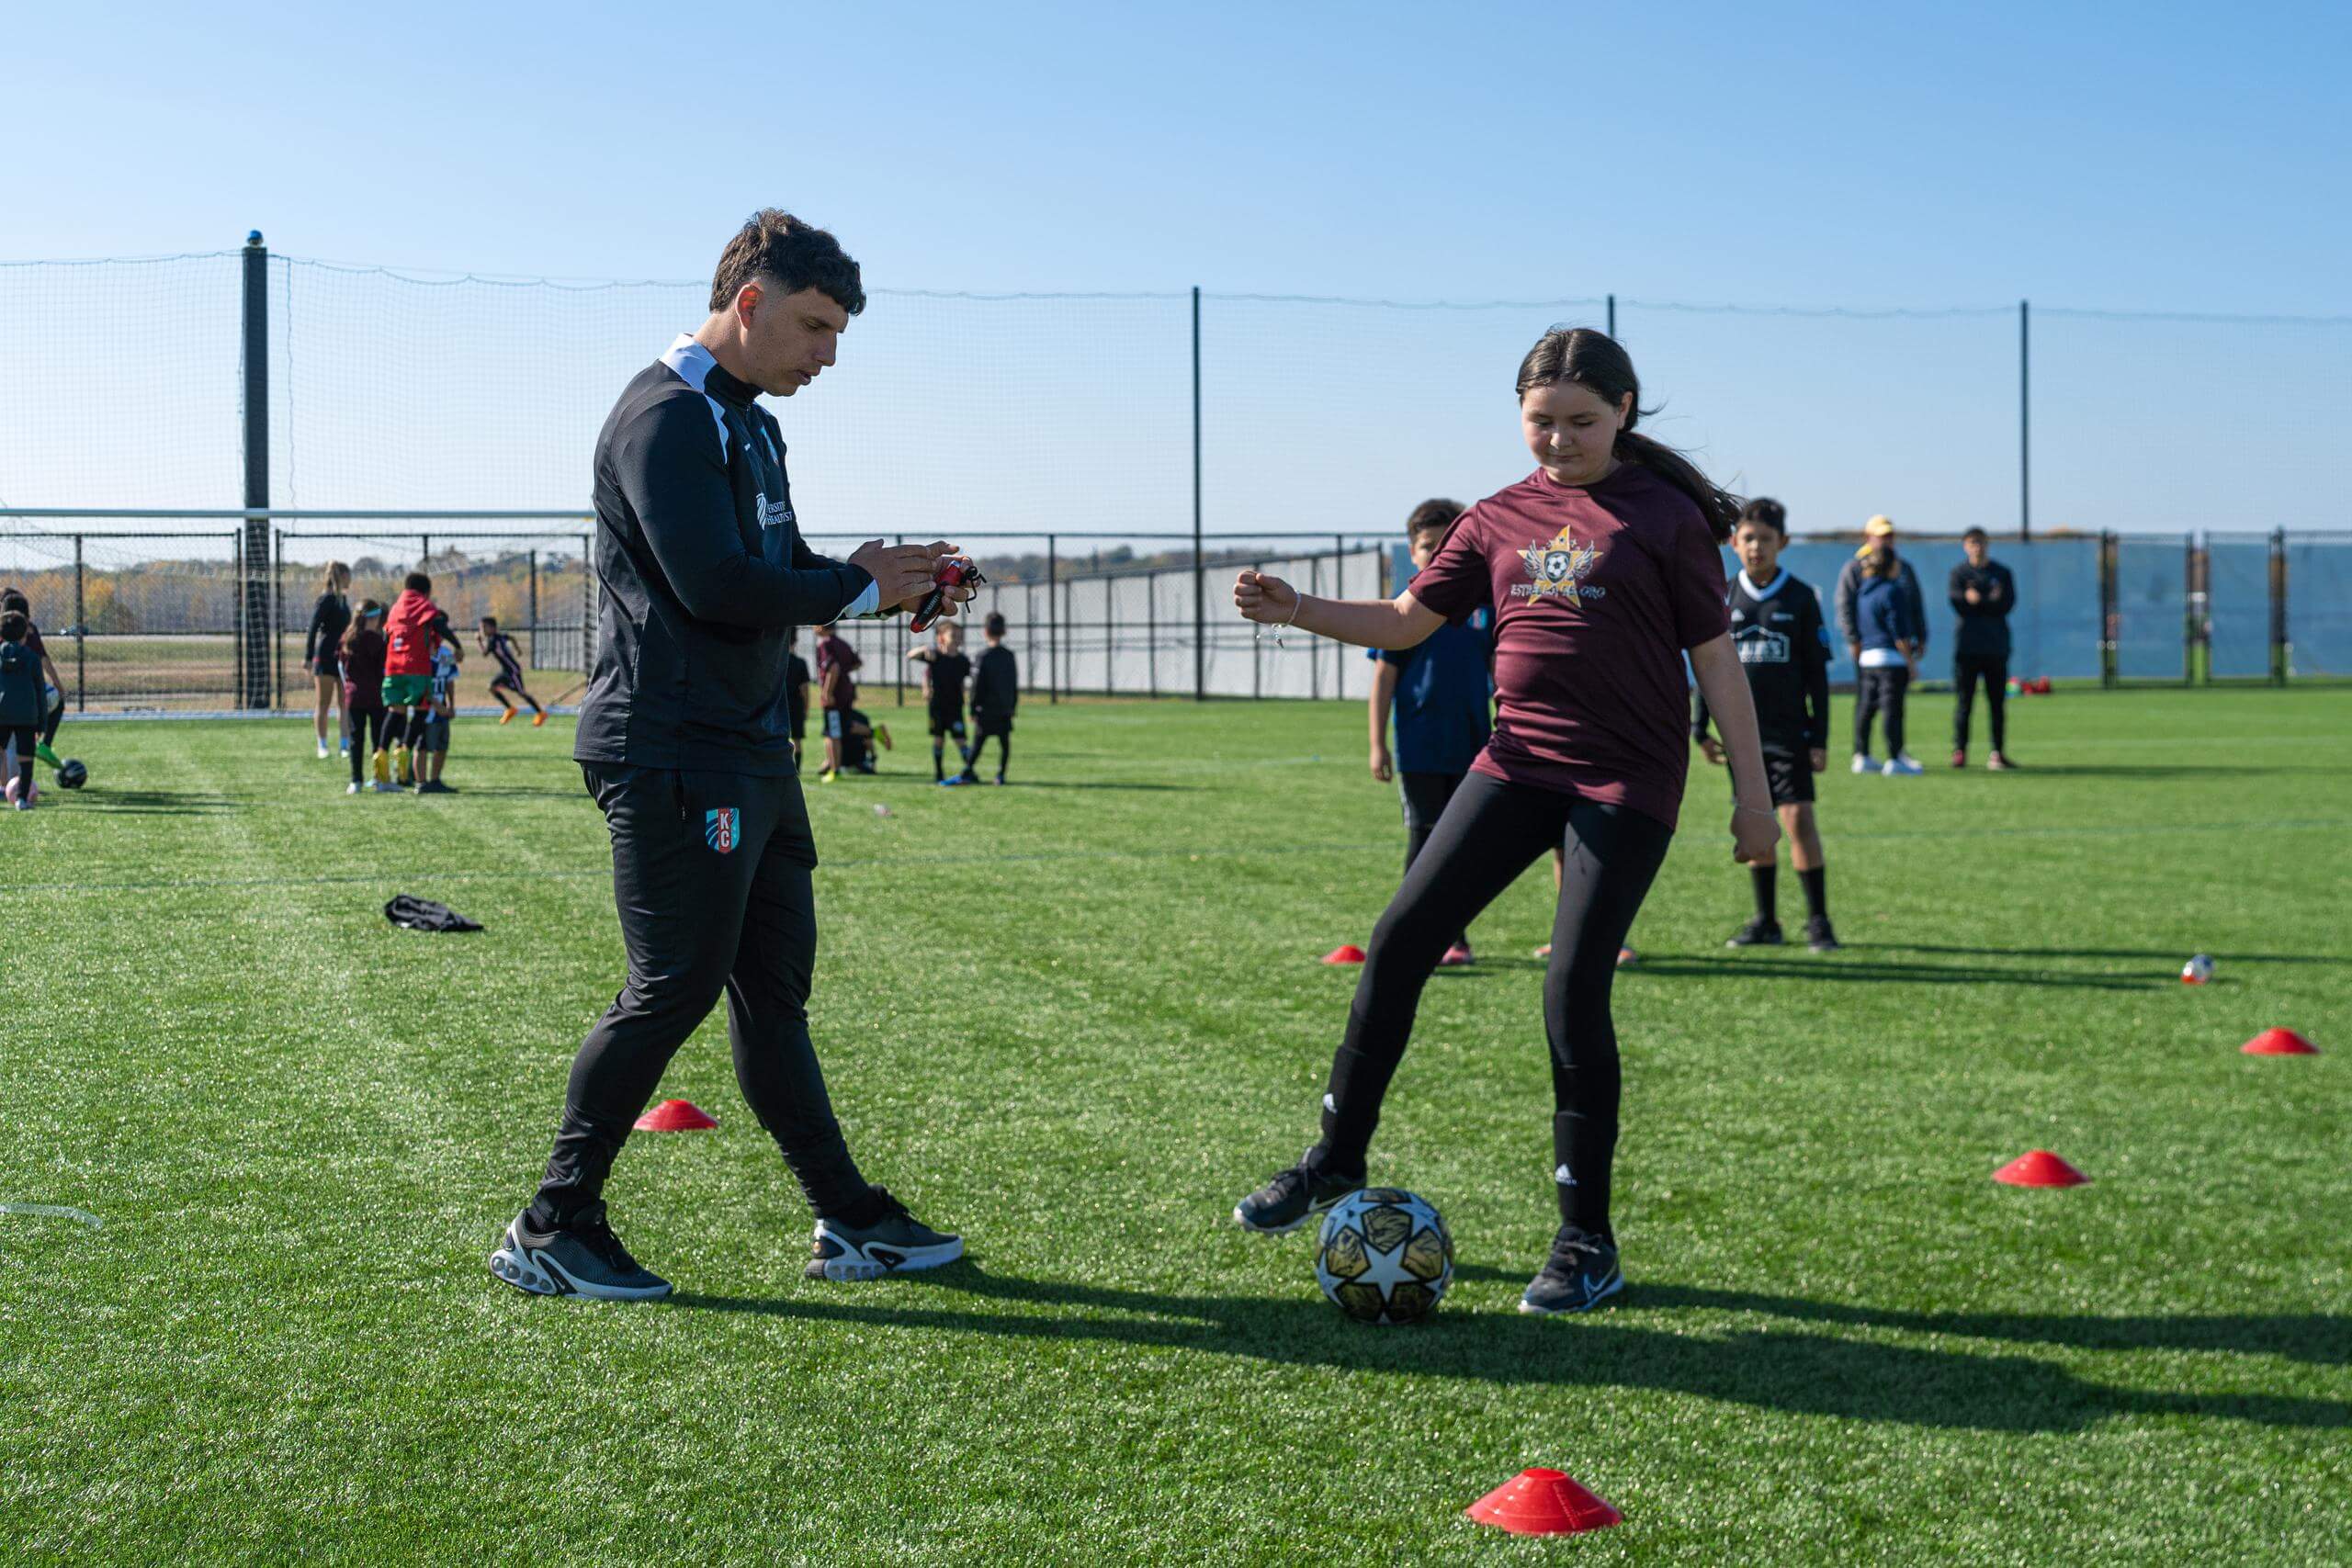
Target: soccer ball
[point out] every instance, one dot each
(1384, 1256)
(2197, 971)
(72, 775)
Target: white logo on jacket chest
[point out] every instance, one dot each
(771, 512)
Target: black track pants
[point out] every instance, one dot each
(1492, 831)
(711, 876)
(1879, 692)
(1967, 669)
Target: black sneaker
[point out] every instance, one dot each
(1758, 932)
(1819, 937)
(1290, 1199)
(1581, 1274)
(897, 1243)
(582, 1259)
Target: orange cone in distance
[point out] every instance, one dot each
(2039, 1167)
(1346, 952)
(676, 1116)
(1543, 1502)
(2279, 1043)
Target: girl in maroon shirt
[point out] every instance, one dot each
(1603, 570)
(363, 652)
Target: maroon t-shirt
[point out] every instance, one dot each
(1597, 590)
(835, 659)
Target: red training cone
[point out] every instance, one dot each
(676, 1116)
(2279, 1043)
(2040, 1167)
(1543, 1502)
(1346, 952)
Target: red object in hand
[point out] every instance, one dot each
(952, 573)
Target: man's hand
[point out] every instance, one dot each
(1264, 598)
(1383, 768)
(1754, 832)
(903, 573)
(1711, 749)
(1975, 597)
(1820, 760)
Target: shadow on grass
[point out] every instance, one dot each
(1769, 964)
(1807, 1374)
(2170, 770)
(155, 802)
(2168, 958)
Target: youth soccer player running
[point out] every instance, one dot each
(946, 669)
(684, 745)
(1602, 569)
(507, 684)
(1784, 646)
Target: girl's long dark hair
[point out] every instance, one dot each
(1597, 363)
(358, 622)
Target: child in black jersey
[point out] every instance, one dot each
(945, 669)
(996, 691)
(1784, 650)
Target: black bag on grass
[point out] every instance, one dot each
(423, 915)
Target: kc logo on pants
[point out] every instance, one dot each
(722, 828)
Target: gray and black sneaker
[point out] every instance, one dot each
(582, 1259)
(1819, 937)
(1293, 1198)
(1758, 932)
(897, 1243)
(1581, 1274)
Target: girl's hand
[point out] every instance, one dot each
(1820, 760)
(1383, 768)
(1263, 598)
(1754, 832)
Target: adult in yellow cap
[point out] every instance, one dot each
(1877, 561)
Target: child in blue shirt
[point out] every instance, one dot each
(1887, 617)
(1442, 693)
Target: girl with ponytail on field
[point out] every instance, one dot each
(1603, 569)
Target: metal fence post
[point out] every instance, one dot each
(1053, 624)
(535, 607)
(252, 549)
(2278, 645)
(278, 617)
(2107, 610)
(1110, 641)
(2188, 609)
(1338, 590)
(1257, 664)
(899, 676)
(1151, 632)
(81, 636)
(1200, 564)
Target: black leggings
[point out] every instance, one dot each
(1967, 669)
(1425, 797)
(1492, 831)
(1875, 692)
(362, 746)
(1003, 750)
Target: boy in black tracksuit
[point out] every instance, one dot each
(1982, 594)
(996, 691)
(946, 668)
(1784, 649)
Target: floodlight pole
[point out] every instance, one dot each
(252, 673)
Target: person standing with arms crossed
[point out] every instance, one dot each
(1603, 571)
(685, 743)
(1982, 594)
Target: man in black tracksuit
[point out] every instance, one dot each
(684, 740)
(1982, 594)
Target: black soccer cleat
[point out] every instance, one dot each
(582, 1259)
(1290, 1199)
(1758, 932)
(1820, 938)
(897, 1243)
(1581, 1274)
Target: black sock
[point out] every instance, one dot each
(938, 752)
(1341, 1150)
(1767, 879)
(1582, 1153)
(1817, 892)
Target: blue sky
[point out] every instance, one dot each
(2112, 157)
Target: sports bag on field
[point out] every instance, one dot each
(423, 915)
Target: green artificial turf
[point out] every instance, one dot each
(1076, 1019)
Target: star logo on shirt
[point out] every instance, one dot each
(1555, 564)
